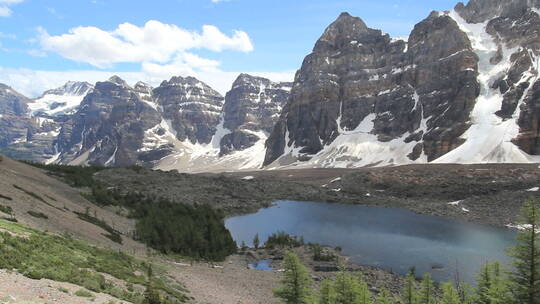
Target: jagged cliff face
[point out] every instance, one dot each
(109, 127)
(191, 106)
(15, 124)
(21, 135)
(454, 92)
(251, 110)
(462, 88)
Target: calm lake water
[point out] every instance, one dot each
(390, 238)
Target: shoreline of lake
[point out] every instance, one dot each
(428, 243)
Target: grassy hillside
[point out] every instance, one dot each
(39, 255)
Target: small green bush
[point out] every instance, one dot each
(283, 240)
(113, 234)
(6, 197)
(6, 209)
(32, 194)
(84, 293)
(62, 289)
(37, 214)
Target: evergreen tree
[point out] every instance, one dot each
(364, 296)
(151, 296)
(384, 297)
(296, 283)
(492, 286)
(525, 278)
(327, 294)
(427, 291)
(450, 294)
(498, 291)
(466, 293)
(350, 289)
(409, 294)
(484, 284)
(256, 241)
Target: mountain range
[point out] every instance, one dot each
(462, 88)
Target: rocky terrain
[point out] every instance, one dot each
(182, 124)
(251, 111)
(461, 89)
(493, 194)
(22, 135)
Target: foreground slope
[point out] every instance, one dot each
(25, 188)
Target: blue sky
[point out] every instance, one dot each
(263, 37)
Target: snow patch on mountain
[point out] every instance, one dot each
(63, 100)
(489, 139)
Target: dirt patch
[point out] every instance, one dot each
(15, 288)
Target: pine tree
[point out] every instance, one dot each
(327, 294)
(256, 241)
(427, 290)
(409, 294)
(498, 291)
(484, 284)
(525, 278)
(384, 297)
(350, 289)
(364, 296)
(466, 293)
(296, 283)
(151, 296)
(450, 294)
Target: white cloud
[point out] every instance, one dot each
(5, 11)
(217, 1)
(154, 42)
(8, 36)
(36, 53)
(33, 83)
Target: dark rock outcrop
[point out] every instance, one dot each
(251, 110)
(423, 90)
(15, 122)
(109, 127)
(192, 107)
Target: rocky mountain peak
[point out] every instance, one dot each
(192, 107)
(246, 79)
(144, 91)
(12, 102)
(141, 85)
(71, 88)
(341, 32)
(118, 81)
(250, 112)
(477, 11)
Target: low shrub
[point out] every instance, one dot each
(37, 214)
(6, 209)
(113, 235)
(42, 256)
(84, 293)
(283, 240)
(30, 193)
(6, 197)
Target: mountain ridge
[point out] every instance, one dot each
(439, 92)
(462, 88)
